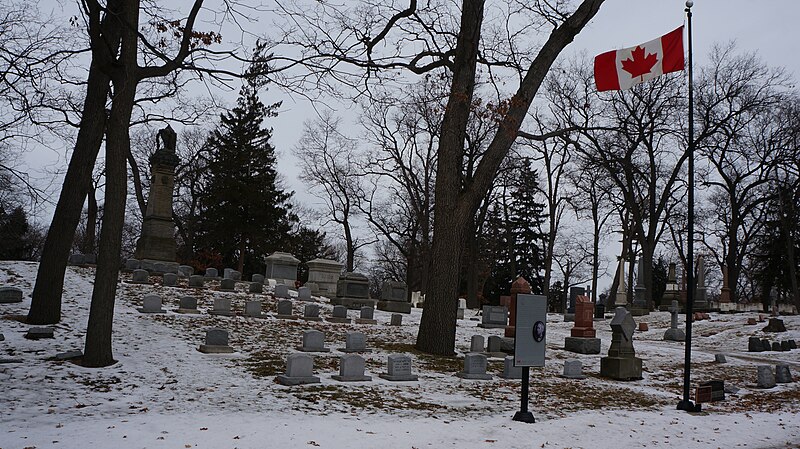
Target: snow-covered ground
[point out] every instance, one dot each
(164, 393)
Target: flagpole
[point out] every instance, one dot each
(686, 403)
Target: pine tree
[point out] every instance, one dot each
(245, 213)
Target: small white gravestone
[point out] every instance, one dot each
(474, 367)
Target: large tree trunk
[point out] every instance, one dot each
(97, 351)
(46, 297)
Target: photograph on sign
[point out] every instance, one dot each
(531, 330)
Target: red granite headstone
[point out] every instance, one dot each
(584, 318)
(522, 286)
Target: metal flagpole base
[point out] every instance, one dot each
(526, 417)
(689, 406)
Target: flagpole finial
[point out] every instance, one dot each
(689, 3)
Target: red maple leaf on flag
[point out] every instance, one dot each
(640, 64)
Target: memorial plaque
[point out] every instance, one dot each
(531, 330)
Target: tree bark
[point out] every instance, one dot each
(46, 297)
(98, 348)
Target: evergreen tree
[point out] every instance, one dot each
(245, 214)
(15, 235)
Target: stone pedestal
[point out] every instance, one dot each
(157, 241)
(352, 291)
(282, 267)
(582, 336)
(621, 362)
(393, 298)
(323, 276)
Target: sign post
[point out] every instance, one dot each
(529, 344)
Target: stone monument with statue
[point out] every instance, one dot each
(157, 245)
(621, 362)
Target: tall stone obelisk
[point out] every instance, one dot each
(157, 241)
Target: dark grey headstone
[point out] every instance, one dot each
(188, 303)
(222, 306)
(776, 346)
(304, 294)
(227, 273)
(77, 259)
(217, 337)
(169, 279)
(285, 308)
(257, 278)
(351, 369)
(90, 259)
(211, 273)
(754, 345)
(9, 295)
(140, 276)
(782, 374)
(161, 268)
(765, 345)
(196, 281)
(69, 355)
(281, 291)
(339, 312)
(227, 285)
(785, 346)
(474, 367)
(367, 313)
(252, 309)
(314, 341)
(476, 344)
(792, 344)
(256, 287)
(720, 358)
(766, 378)
(185, 271)
(494, 344)
(396, 320)
(311, 311)
(132, 264)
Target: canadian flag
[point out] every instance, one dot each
(623, 69)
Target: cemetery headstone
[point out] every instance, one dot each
(196, 281)
(160, 268)
(367, 316)
(717, 389)
(2, 337)
(131, 264)
(185, 271)
(253, 309)
(462, 307)
(494, 346)
(187, 304)
(285, 310)
(227, 285)
(282, 267)
(396, 320)
(765, 345)
(766, 378)
(281, 291)
(299, 371)
(720, 358)
(76, 259)
(352, 291)
(600, 310)
(573, 369)
(140, 277)
(621, 362)
(775, 325)
(151, 304)
(792, 344)
(211, 273)
(222, 307)
(226, 273)
(311, 312)
(37, 333)
(10, 295)
(399, 368)
(474, 367)
(776, 346)
(304, 294)
(90, 259)
(509, 370)
(355, 342)
(476, 344)
(782, 374)
(673, 333)
(351, 369)
(394, 298)
(256, 287)
(754, 345)
(785, 346)
(644, 327)
(257, 278)
(494, 317)
(313, 341)
(169, 280)
(236, 275)
(582, 337)
(339, 315)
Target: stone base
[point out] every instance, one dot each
(409, 378)
(674, 335)
(366, 321)
(291, 381)
(302, 349)
(333, 319)
(189, 311)
(639, 311)
(395, 306)
(354, 351)
(287, 317)
(311, 318)
(351, 378)
(142, 310)
(510, 332)
(621, 368)
(474, 376)
(492, 326)
(583, 332)
(221, 313)
(172, 266)
(354, 303)
(495, 355)
(260, 315)
(582, 345)
(215, 349)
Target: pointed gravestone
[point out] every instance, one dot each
(367, 316)
(285, 310)
(187, 304)
(474, 367)
(399, 368)
(216, 342)
(351, 369)
(151, 304)
(299, 371)
(313, 341)
(621, 362)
